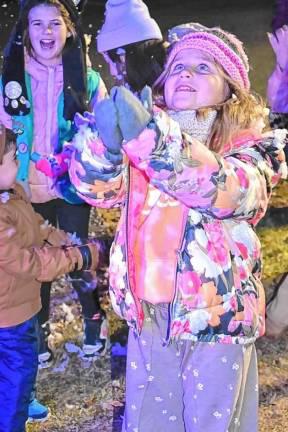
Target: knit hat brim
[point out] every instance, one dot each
(224, 47)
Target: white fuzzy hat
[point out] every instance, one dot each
(126, 22)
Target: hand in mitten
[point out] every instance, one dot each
(86, 119)
(133, 117)
(279, 42)
(106, 122)
(52, 166)
(146, 98)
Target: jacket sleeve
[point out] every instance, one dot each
(99, 94)
(236, 184)
(54, 236)
(97, 180)
(42, 263)
(278, 120)
(96, 88)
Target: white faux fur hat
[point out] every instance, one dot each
(126, 22)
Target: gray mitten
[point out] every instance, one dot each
(146, 98)
(132, 116)
(106, 122)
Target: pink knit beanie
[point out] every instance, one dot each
(126, 22)
(224, 47)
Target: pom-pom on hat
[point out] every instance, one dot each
(74, 65)
(126, 22)
(224, 47)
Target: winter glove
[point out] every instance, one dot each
(146, 98)
(52, 166)
(133, 117)
(278, 42)
(106, 122)
(87, 119)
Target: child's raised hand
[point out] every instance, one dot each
(52, 166)
(279, 44)
(106, 121)
(132, 116)
(87, 119)
(146, 98)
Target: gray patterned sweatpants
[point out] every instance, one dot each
(188, 386)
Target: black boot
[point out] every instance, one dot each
(45, 355)
(96, 338)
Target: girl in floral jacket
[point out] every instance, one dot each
(185, 264)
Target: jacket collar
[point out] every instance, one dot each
(39, 71)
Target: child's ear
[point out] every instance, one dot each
(69, 34)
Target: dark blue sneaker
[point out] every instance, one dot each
(37, 412)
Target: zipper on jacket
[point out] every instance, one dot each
(50, 109)
(50, 92)
(127, 255)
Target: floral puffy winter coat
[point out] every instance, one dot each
(187, 223)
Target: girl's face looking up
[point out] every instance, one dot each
(48, 33)
(194, 81)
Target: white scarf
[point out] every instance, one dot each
(198, 128)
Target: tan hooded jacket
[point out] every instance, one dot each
(29, 255)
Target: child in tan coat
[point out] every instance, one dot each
(31, 251)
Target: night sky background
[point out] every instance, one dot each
(248, 19)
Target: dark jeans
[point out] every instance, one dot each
(70, 218)
(18, 368)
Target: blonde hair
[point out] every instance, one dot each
(51, 3)
(240, 111)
